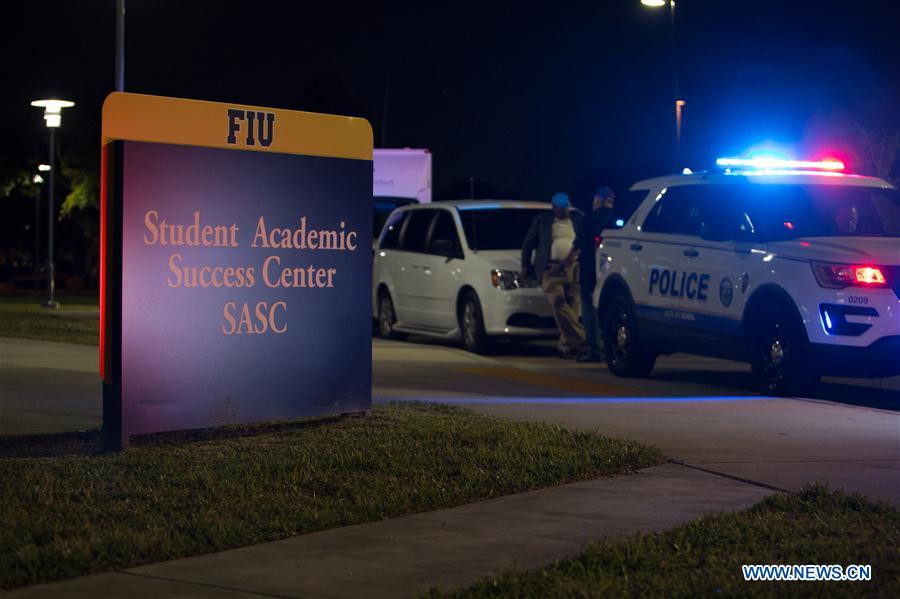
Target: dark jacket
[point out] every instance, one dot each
(540, 238)
(592, 226)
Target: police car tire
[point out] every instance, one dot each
(387, 318)
(792, 374)
(471, 325)
(634, 361)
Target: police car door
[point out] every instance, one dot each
(667, 255)
(722, 253)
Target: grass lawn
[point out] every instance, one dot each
(67, 510)
(704, 557)
(22, 316)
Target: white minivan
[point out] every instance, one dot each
(451, 270)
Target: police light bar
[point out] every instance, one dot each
(780, 163)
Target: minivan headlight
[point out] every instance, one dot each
(505, 279)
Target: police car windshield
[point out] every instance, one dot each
(497, 228)
(792, 211)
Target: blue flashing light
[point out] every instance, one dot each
(766, 163)
(620, 222)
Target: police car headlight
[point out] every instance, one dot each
(505, 279)
(838, 276)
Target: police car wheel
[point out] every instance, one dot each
(387, 319)
(779, 354)
(471, 324)
(625, 353)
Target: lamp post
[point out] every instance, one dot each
(37, 180)
(53, 119)
(120, 45)
(679, 103)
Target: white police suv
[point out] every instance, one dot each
(450, 270)
(793, 266)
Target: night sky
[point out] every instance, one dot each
(527, 101)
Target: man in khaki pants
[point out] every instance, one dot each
(550, 238)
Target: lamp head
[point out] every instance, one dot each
(53, 110)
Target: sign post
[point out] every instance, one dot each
(235, 268)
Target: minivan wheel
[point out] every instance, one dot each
(471, 324)
(622, 345)
(779, 355)
(387, 319)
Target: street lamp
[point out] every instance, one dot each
(679, 103)
(37, 180)
(53, 119)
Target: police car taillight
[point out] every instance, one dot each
(869, 275)
(838, 276)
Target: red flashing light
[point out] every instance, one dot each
(869, 275)
(838, 276)
(789, 225)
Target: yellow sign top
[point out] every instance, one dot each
(138, 117)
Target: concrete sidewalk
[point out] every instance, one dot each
(446, 549)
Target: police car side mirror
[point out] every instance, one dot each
(744, 236)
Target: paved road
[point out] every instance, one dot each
(48, 387)
(702, 412)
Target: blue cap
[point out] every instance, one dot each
(560, 200)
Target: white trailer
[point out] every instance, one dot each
(402, 173)
(401, 176)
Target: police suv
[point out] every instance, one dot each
(793, 266)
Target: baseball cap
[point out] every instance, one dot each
(560, 200)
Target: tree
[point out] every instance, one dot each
(880, 152)
(82, 203)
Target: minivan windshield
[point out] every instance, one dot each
(497, 228)
(792, 211)
(384, 205)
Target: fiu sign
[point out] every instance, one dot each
(236, 275)
(265, 122)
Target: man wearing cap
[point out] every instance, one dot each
(585, 249)
(551, 238)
